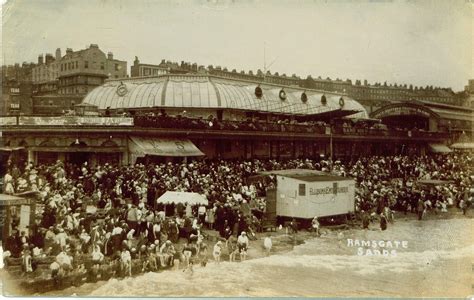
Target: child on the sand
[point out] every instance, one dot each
(267, 244)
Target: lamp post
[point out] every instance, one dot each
(330, 144)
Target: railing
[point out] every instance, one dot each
(214, 125)
(262, 126)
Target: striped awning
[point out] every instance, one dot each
(141, 146)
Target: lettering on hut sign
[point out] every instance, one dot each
(328, 190)
(377, 247)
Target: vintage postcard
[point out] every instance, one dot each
(237, 148)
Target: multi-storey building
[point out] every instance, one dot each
(16, 98)
(142, 70)
(45, 74)
(17, 72)
(81, 71)
(16, 89)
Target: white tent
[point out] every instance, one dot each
(182, 197)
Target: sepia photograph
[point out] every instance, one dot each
(237, 148)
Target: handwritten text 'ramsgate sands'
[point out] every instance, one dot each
(377, 248)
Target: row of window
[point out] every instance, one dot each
(50, 76)
(51, 103)
(147, 71)
(73, 90)
(75, 65)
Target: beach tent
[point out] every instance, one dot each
(182, 197)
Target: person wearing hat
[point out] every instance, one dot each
(26, 260)
(420, 209)
(187, 253)
(243, 244)
(168, 252)
(383, 222)
(97, 257)
(217, 251)
(150, 259)
(315, 225)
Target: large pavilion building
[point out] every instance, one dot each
(173, 116)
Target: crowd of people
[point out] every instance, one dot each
(272, 124)
(213, 123)
(93, 216)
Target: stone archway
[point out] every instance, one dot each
(111, 157)
(77, 154)
(46, 153)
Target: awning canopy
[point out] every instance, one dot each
(182, 197)
(10, 149)
(141, 146)
(462, 146)
(440, 148)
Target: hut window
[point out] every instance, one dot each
(302, 189)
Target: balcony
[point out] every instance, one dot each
(278, 128)
(169, 126)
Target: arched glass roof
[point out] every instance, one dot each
(203, 91)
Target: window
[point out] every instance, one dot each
(102, 66)
(116, 67)
(302, 189)
(77, 64)
(86, 64)
(62, 67)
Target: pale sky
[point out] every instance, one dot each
(412, 42)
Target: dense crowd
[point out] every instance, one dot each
(272, 124)
(213, 123)
(109, 214)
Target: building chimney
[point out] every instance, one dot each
(94, 46)
(110, 56)
(49, 58)
(40, 59)
(68, 51)
(58, 54)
